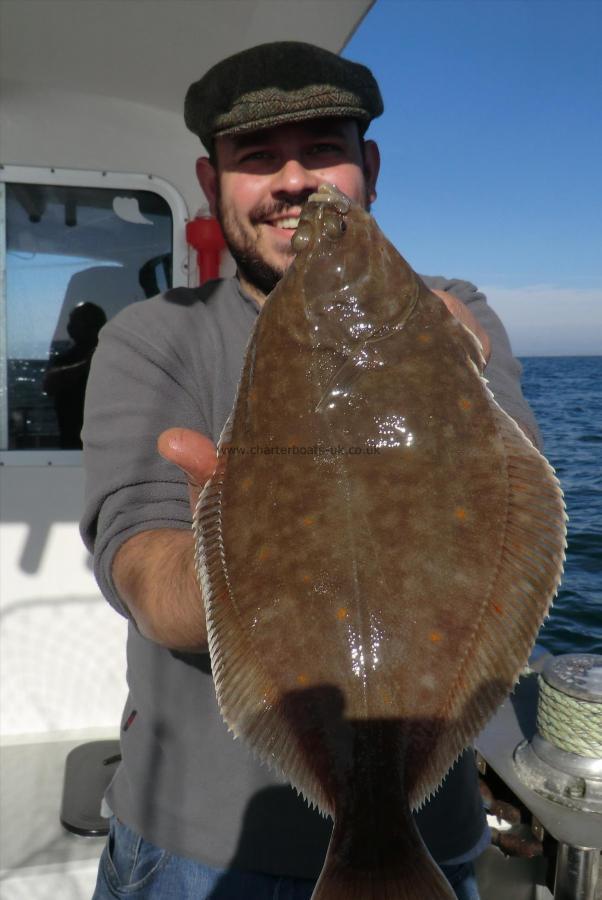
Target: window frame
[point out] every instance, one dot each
(83, 178)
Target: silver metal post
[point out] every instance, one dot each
(577, 870)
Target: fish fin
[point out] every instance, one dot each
(244, 690)
(526, 580)
(481, 362)
(406, 876)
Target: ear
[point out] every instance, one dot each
(371, 168)
(207, 177)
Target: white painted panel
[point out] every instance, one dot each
(39, 859)
(68, 129)
(72, 882)
(62, 648)
(152, 51)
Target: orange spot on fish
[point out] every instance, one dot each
(460, 512)
(465, 403)
(498, 609)
(425, 338)
(264, 553)
(302, 678)
(435, 636)
(306, 579)
(246, 483)
(309, 520)
(341, 613)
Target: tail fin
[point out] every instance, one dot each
(413, 876)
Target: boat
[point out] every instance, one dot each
(99, 206)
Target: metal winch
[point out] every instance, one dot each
(563, 760)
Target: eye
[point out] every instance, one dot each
(259, 161)
(333, 226)
(255, 156)
(325, 147)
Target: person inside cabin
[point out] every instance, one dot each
(66, 377)
(193, 813)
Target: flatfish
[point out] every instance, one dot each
(377, 548)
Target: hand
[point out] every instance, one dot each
(154, 571)
(515, 840)
(464, 315)
(193, 453)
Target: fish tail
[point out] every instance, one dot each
(415, 881)
(401, 875)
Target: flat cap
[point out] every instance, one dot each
(276, 83)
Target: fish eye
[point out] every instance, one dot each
(333, 223)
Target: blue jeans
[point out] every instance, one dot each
(132, 867)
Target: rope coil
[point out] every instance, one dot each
(568, 723)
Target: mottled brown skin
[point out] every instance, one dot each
(346, 551)
(361, 581)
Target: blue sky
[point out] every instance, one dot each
(491, 147)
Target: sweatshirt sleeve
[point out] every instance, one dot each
(503, 370)
(138, 387)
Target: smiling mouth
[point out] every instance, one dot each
(288, 223)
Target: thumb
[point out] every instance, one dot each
(193, 453)
(464, 315)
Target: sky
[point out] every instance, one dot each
(491, 146)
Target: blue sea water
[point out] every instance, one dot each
(566, 395)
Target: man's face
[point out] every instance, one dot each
(263, 178)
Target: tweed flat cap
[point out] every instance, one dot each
(271, 84)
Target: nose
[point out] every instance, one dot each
(293, 180)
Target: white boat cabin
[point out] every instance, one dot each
(96, 186)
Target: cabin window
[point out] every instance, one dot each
(74, 256)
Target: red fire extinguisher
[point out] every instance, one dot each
(204, 234)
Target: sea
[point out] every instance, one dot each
(565, 393)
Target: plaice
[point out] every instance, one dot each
(377, 548)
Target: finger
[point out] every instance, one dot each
(464, 315)
(193, 453)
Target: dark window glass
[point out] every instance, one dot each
(75, 257)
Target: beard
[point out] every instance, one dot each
(243, 245)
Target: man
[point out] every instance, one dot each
(67, 373)
(194, 815)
